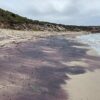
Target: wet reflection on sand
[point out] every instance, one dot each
(37, 70)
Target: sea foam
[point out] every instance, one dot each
(92, 40)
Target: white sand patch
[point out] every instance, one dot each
(75, 63)
(84, 87)
(92, 52)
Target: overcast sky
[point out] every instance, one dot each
(77, 12)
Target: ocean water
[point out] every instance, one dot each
(93, 40)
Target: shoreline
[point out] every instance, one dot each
(92, 40)
(85, 86)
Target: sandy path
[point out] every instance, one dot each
(40, 68)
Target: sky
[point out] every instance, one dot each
(69, 12)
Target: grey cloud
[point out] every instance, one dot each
(80, 12)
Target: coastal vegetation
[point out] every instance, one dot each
(10, 20)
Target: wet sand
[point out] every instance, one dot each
(84, 86)
(50, 67)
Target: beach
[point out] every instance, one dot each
(47, 66)
(86, 86)
(93, 40)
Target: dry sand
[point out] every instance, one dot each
(84, 86)
(47, 66)
(9, 36)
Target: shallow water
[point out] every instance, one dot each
(92, 40)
